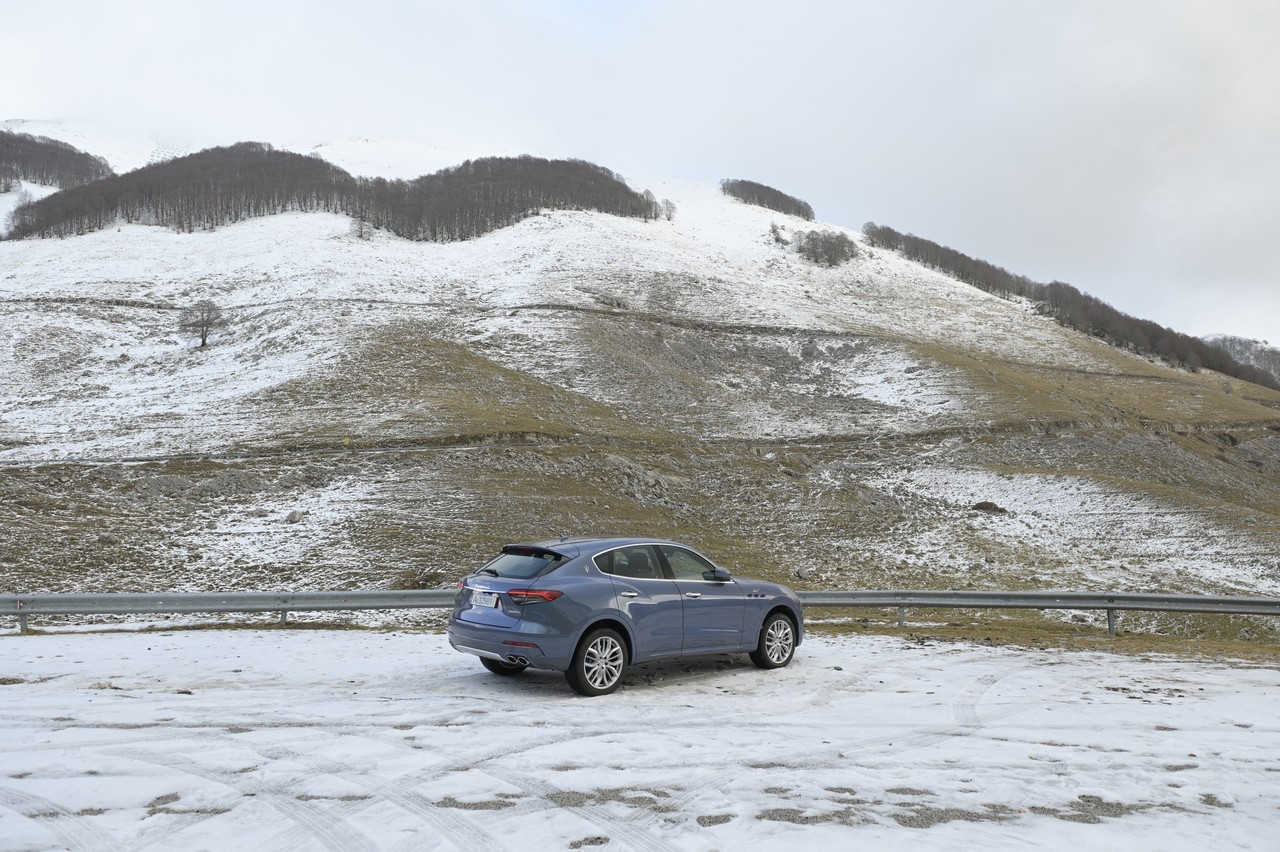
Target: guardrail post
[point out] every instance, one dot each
(284, 618)
(1111, 622)
(902, 616)
(22, 622)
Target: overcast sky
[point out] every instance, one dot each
(1128, 147)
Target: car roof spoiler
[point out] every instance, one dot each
(564, 549)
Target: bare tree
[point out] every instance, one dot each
(201, 318)
(828, 248)
(652, 210)
(668, 209)
(360, 229)
(19, 211)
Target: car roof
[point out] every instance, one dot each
(590, 545)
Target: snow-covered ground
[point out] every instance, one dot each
(316, 739)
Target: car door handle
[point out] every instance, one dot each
(693, 594)
(630, 594)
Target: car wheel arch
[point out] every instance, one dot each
(615, 624)
(796, 619)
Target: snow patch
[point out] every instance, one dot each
(353, 739)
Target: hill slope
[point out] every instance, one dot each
(422, 403)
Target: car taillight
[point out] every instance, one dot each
(528, 596)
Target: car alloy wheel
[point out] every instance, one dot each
(777, 642)
(598, 663)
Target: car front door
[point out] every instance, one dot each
(713, 610)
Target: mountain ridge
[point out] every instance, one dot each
(221, 185)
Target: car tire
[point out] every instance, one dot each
(500, 668)
(777, 642)
(598, 663)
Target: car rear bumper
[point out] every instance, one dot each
(537, 650)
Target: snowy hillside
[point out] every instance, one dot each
(124, 148)
(304, 291)
(9, 200)
(1258, 353)
(419, 403)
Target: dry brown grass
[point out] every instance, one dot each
(1243, 637)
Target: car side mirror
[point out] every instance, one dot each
(721, 575)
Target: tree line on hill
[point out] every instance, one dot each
(483, 195)
(37, 159)
(213, 187)
(766, 196)
(1071, 307)
(227, 184)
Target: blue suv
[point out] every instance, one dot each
(590, 607)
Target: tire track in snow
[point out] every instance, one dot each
(462, 833)
(334, 835)
(465, 833)
(964, 709)
(593, 814)
(72, 830)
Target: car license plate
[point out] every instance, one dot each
(484, 599)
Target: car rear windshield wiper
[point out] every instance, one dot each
(489, 571)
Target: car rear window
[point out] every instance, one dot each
(523, 563)
(637, 562)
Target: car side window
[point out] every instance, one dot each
(687, 565)
(637, 562)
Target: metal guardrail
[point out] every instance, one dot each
(1112, 603)
(124, 603)
(129, 603)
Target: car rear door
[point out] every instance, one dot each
(649, 600)
(713, 610)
